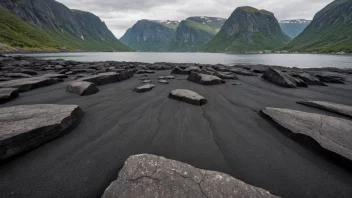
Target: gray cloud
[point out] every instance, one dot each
(119, 15)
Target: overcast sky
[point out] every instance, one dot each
(119, 15)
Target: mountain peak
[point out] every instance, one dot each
(250, 9)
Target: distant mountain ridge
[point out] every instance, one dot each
(70, 29)
(149, 35)
(195, 32)
(294, 27)
(248, 29)
(167, 35)
(330, 30)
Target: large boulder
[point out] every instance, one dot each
(152, 176)
(278, 78)
(26, 127)
(188, 96)
(82, 88)
(205, 79)
(124, 75)
(7, 94)
(178, 70)
(27, 84)
(329, 106)
(144, 88)
(191, 69)
(332, 133)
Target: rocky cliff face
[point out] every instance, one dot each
(248, 29)
(73, 29)
(194, 32)
(330, 30)
(149, 35)
(294, 27)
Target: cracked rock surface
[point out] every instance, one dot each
(25, 127)
(153, 176)
(332, 133)
(345, 110)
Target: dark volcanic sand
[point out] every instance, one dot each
(227, 134)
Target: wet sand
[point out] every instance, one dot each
(227, 135)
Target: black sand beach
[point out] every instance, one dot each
(227, 135)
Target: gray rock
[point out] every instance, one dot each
(28, 71)
(169, 77)
(205, 79)
(146, 81)
(225, 75)
(191, 69)
(308, 78)
(82, 88)
(278, 78)
(188, 96)
(144, 88)
(329, 106)
(236, 83)
(328, 78)
(153, 176)
(144, 72)
(55, 76)
(242, 72)
(27, 84)
(163, 81)
(161, 77)
(26, 127)
(332, 133)
(124, 75)
(102, 78)
(7, 94)
(178, 70)
(2, 79)
(17, 75)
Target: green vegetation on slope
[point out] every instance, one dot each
(201, 27)
(330, 30)
(19, 34)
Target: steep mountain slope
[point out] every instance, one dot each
(248, 29)
(149, 35)
(194, 32)
(330, 30)
(71, 29)
(19, 34)
(294, 27)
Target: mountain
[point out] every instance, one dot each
(294, 27)
(330, 30)
(149, 35)
(248, 29)
(194, 32)
(62, 28)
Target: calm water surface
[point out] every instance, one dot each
(288, 60)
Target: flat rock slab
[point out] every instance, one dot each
(55, 76)
(308, 78)
(82, 88)
(7, 94)
(17, 75)
(26, 127)
(27, 84)
(108, 77)
(163, 81)
(144, 88)
(205, 79)
(329, 106)
(226, 75)
(332, 133)
(242, 72)
(146, 81)
(187, 96)
(153, 176)
(169, 77)
(178, 70)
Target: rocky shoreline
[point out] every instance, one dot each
(191, 113)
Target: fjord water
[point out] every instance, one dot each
(288, 60)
